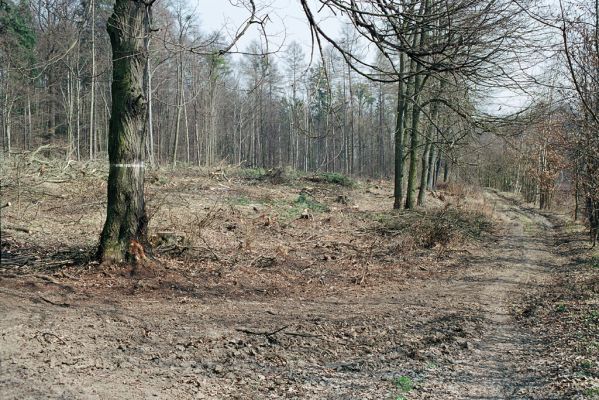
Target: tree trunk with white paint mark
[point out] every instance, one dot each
(126, 219)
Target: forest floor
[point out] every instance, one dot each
(263, 286)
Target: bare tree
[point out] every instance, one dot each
(579, 28)
(420, 38)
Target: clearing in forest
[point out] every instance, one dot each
(270, 286)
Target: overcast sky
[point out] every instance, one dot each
(286, 21)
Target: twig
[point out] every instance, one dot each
(44, 334)
(18, 228)
(47, 278)
(42, 147)
(54, 303)
(82, 205)
(57, 180)
(18, 260)
(267, 334)
(72, 277)
(301, 334)
(57, 263)
(210, 249)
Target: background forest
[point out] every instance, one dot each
(416, 105)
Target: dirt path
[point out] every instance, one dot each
(502, 363)
(451, 336)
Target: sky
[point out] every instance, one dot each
(286, 21)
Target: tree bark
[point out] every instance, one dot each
(92, 102)
(413, 166)
(399, 142)
(431, 167)
(29, 124)
(446, 171)
(148, 86)
(179, 106)
(576, 192)
(419, 84)
(426, 154)
(424, 168)
(126, 220)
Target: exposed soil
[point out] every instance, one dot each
(254, 294)
(503, 363)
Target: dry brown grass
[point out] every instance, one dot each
(217, 225)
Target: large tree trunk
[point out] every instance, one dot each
(414, 143)
(413, 165)
(126, 220)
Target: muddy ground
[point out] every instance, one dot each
(269, 286)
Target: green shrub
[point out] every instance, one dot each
(333, 178)
(252, 173)
(240, 201)
(306, 201)
(338, 179)
(404, 383)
